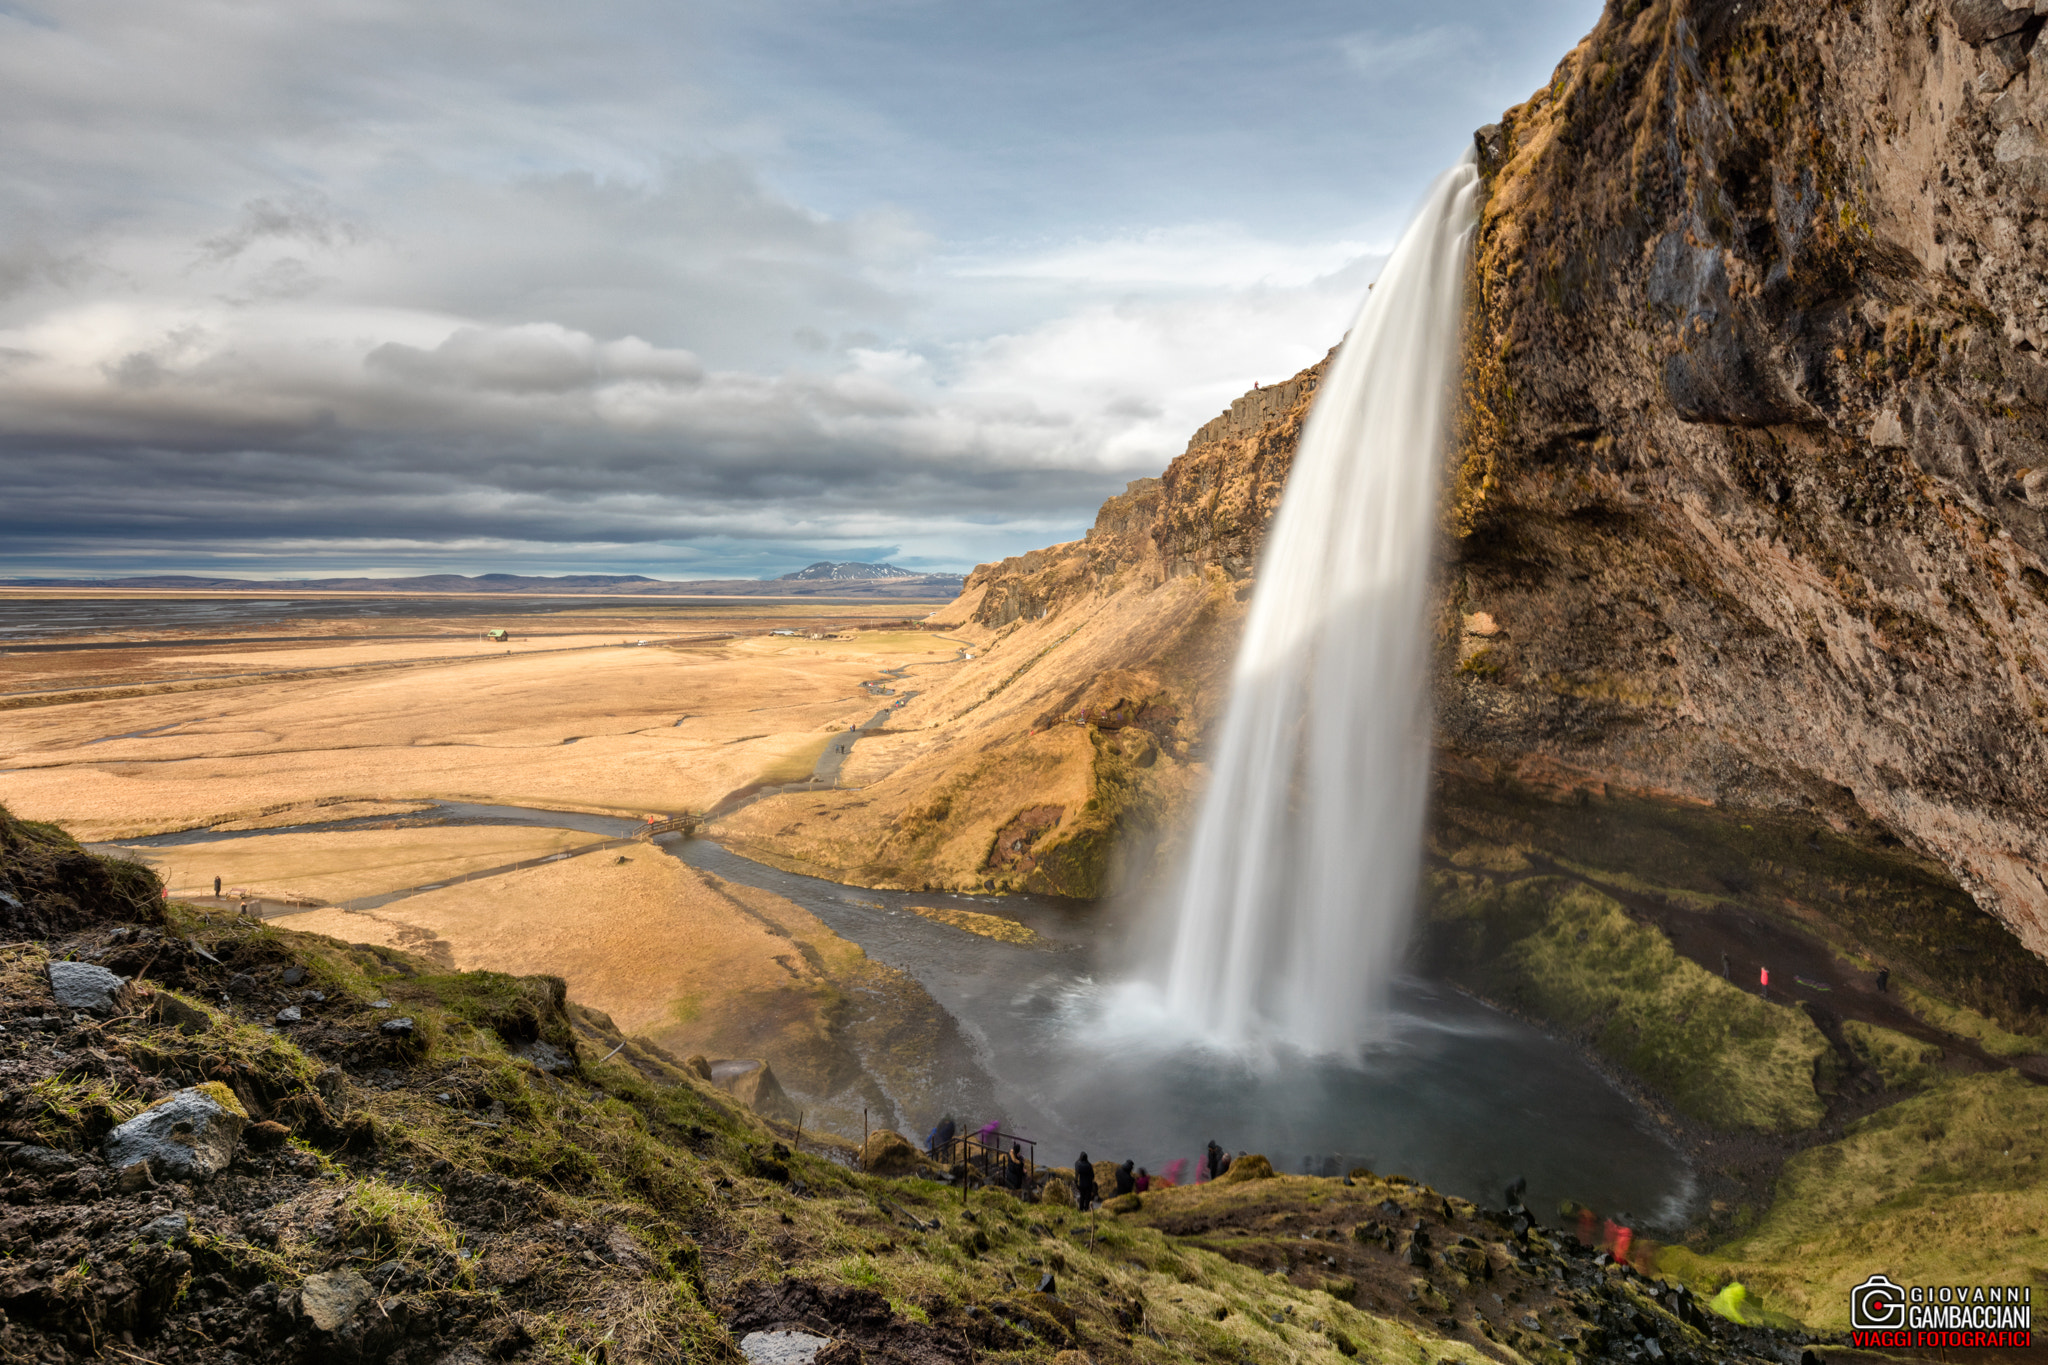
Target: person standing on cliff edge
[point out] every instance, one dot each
(216, 888)
(1084, 1182)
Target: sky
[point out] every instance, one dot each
(711, 289)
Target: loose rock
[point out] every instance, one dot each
(397, 1028)
(267, 1136)
(782, 1348)
(329, 1301)
(289, 1015)
(190, 1135)
(83, 986)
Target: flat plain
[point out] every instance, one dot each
(292, 722)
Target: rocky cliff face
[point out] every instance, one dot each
(1746, 511)
(1750, 509)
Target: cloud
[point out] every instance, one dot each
(496, 284)
(1422, 55)
(302, 216)
(534, 358)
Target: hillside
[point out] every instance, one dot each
(225, 1142)
(1064, 753)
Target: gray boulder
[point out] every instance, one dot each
(189, 1136)
(329, 1301)
(782, 1348)
(83, 986)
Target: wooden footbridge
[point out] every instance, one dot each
(685, 825)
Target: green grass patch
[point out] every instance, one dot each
(70, 1112)
(381, 1222)
(518, 1009)
(1902, 1063)
(1569, 954)
(1944, 1188)
(1967, 1023)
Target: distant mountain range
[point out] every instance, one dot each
(822, 578)
(845, 573)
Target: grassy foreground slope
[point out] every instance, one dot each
(508, 1177)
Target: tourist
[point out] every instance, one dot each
(1013, 1167)
(1126, 1183)
(1084, 1182)
(216, 888)
(941, 1140)
(1884, 979)
(1727, 968)
(1764, 981)
(1213, 1161)
(1143, 1182)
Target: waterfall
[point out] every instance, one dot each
(1302, 876)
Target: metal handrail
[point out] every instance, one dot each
(987, 1157)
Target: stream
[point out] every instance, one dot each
(1456, 1094)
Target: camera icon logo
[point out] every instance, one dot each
(1877, 1305)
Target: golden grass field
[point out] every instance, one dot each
(628, 730)
(563, 718)
(341, 865)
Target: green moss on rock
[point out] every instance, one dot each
(1564, 952)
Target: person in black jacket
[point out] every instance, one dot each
(1013, 1167)
(941, 1140)
(1084, 1182)
(1214, 1159)
(1126, 1179)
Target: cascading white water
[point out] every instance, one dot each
(1303, 872)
